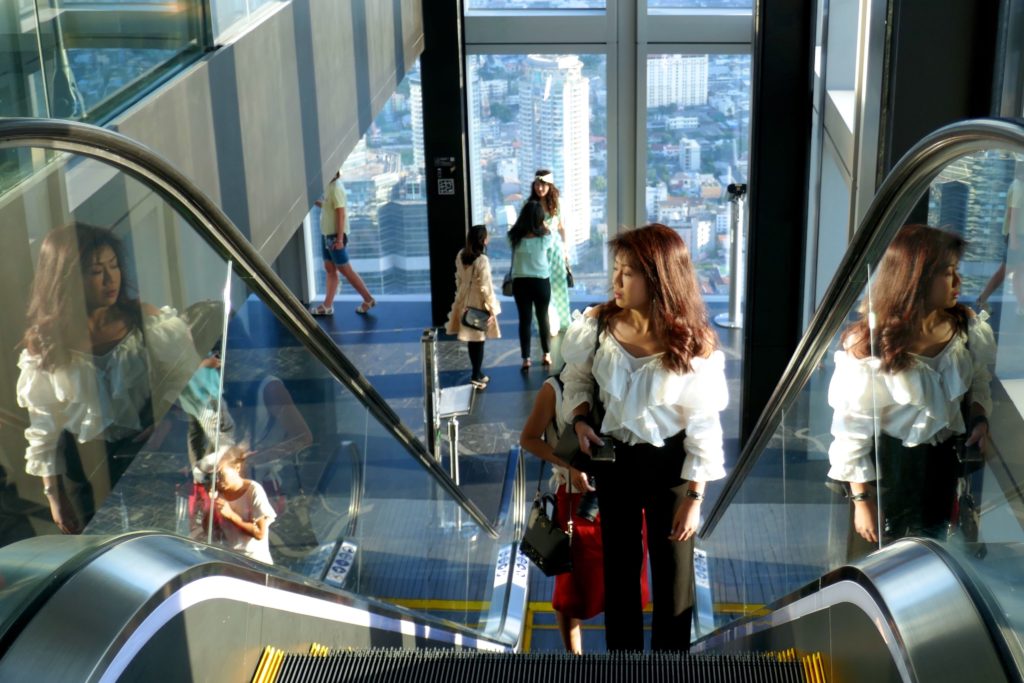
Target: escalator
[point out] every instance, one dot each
(369, 521)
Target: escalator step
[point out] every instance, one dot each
(455, 666)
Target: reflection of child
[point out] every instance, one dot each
(244, 512)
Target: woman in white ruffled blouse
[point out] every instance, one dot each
(662, 386)
(924, 366)
(97, 365)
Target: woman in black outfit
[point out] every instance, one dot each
(536, 253)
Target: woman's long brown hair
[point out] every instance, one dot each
(56, 316)
(679, 318)
(899, 295)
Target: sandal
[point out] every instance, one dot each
(526, 365)
(546, 361)
(321, 310)
(365, 307)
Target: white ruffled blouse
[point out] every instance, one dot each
(100, 397)
(644, 402)
(919, 405)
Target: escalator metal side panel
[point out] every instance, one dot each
(919, 607)
(165, 608)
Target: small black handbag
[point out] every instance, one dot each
(544, 543)
(570, 281)
(476, 318)
(506, 284)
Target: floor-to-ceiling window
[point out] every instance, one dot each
(640, 109)
(698, 131)
(387, 209)
(541, 112)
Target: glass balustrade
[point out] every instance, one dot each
(873, 443)
(139, 359)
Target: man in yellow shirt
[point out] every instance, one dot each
(334, 232)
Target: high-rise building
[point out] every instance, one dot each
(474, 97)
(680, 80)
(955, 196)
(416, 111)
(689, 154)
(554, 133)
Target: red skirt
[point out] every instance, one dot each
(579, 594)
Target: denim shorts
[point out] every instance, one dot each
(338, 257)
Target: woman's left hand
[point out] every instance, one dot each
(686, 520)
(579, 481)
(979, 436)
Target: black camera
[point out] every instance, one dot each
(587, 508)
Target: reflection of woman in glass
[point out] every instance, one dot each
(544, 191)
(924, 372)
(97, 365)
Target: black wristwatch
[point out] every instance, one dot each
(580, 418)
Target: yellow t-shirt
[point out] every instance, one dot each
(334, 198)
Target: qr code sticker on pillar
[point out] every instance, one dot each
(445, 186)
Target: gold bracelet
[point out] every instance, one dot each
(696, 495)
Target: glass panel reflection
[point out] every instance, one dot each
(89, 59)
(144, 394)
(908, 425)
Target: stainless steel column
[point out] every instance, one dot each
(733, 319)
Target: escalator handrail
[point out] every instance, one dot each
(172, 562)
(142, 163)
(901, 190)
(959, 637)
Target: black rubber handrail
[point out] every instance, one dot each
(140, 162)
(898, 195)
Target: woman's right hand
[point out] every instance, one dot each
(63, 513)
(865, 519)
(587, 436)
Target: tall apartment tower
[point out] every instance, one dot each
(416, 111)
(554, 133)
(475, 102)
(680, 80)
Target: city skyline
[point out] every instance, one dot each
(521, 109)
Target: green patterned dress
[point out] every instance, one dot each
(559, 288)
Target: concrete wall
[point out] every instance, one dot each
(260, 123)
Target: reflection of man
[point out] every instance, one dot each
(1013, 229)
(334, 229)
(1013, 233)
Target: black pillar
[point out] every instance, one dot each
(444, 147)
(780, 139)
(941, 69)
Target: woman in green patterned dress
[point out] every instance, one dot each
(543, 190)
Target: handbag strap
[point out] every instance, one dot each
(596, 408)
